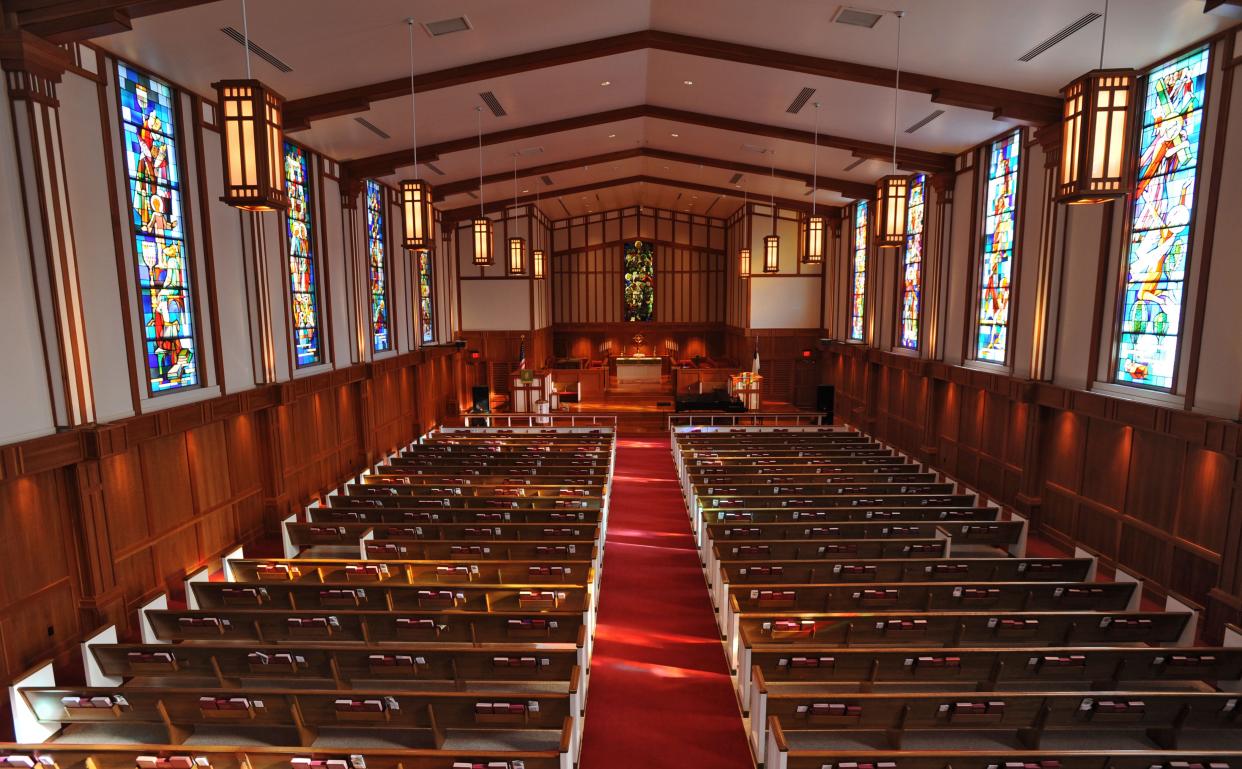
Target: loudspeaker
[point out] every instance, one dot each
(459, 344)
(481, 398)
(824, 396)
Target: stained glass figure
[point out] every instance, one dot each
(149, 136)
(303, 279)
(996, 262)
(426, 308)
(858, 272)
(912, 265)
(377, 277)
(1159, 247)
(639, 281)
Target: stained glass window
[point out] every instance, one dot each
(149, 135)
(303, 279)
(858, 272)
(425, 307)
(912, 265)
(639, 281)
(381, 333)
(1151, 305)
(996, 263)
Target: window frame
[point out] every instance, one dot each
(384, 211)
(133, 284)
(899, 326)
(983, 164)
(1121, 274)
(853, 264)
(315, 260)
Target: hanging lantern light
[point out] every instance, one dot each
(517, 246)
(1095, 133)
(813, 228)
(537, 259)
(415, 193)
(772, 243)
(890, 191)
(890, 211)
(482, 226)
(253, 128)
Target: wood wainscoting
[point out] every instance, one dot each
(1155, 490)
(100, 518)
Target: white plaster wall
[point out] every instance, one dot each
(26, 408)
(784, 302)
(959, 262)
(93, 231)
(494, 305)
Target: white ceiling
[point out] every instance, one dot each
(333, 45)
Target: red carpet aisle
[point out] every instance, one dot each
(660, 694)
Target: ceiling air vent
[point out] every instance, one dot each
(1059, 36)
(435, 168)
(529, 151)
(447, 26)
(493, 103)
(930, 117)
(736, 178)
(367, 124)
(546, 180)
(857, 17)
(256, 49)
(800, 101)
(855, 164)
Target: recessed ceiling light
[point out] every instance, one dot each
(688, 82)
(606, 83)
(525, 191)
(612, 136)
(673, 135)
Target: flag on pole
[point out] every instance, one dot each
(522, 356)
(754, 364)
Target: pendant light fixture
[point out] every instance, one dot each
(415, 193)
(517, 246)
(254, 138)
(813, 233)
(482, 226)
(772, 243)
(743, 253)
(1095, 133)
(537, 255)
(890, 191)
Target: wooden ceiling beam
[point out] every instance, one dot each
(1003, 103)
(67, 21)
(846, 187)
(453, 215)
(388, 162)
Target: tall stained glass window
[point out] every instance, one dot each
(426, 308)
(858, 272)
(1159, 247)
(149, 136)
(912, 265)
(303, 279)
(996, 263)
(377, 278)
(639, 281)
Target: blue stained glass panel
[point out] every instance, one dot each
(381, 333)
(303, 284)
(858, 272)
(912, 264)
(1159, 247)
(996, 261)
(149, 143)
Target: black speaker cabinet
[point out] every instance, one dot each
(824, 397)
(481, 399)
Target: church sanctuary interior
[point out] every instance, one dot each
(621, 384)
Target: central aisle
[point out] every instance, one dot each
(660, 693)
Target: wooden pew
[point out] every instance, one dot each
(500, 550)
(298, 717)
(423, 666)
(1117, 720)
(463, 597)
(323, 570)
(69, 756)
(1004, 759)
(823, 671)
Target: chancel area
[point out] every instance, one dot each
(415, 384)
